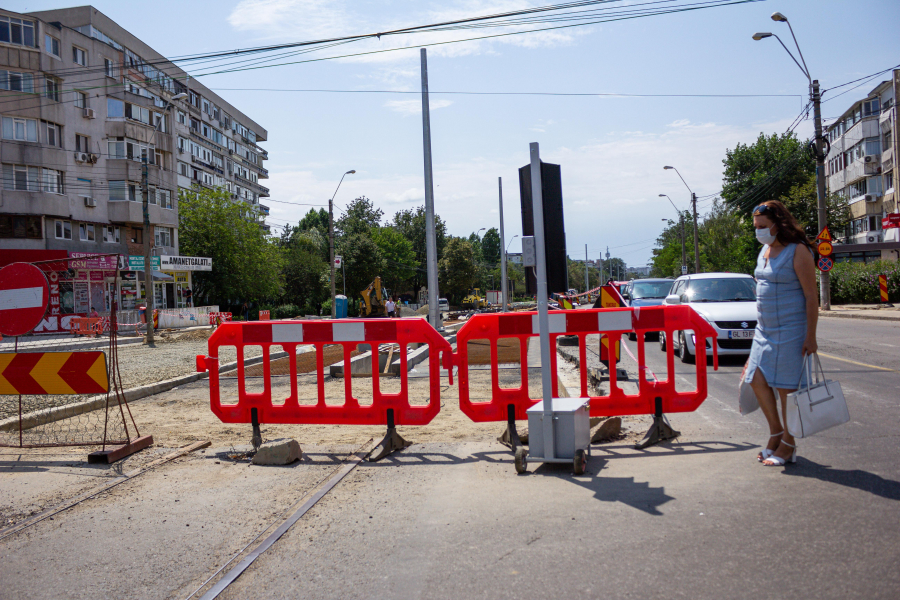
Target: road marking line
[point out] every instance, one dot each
(853, 362)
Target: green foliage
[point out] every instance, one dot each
(360, 217)
(490, 246)
(802, 201)
(286, 311)
(306, 270)
(766, 169)
(727, 241)
(315, 220)
(399, 258)
(457, 268)
(363, 261)
(411, 225)
(857, 283)
(246, 264)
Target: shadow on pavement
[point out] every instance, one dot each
(670, 449)
(853, 478)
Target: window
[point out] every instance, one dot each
(86, 232)
(873, 146)
(114, 108)
(108, 68)
(874, 222)
(53, 181)
(52, 134)
(20, 226)
(888, 181)
(79, 56)
(63, 230)
(137, 235)
(118, 191)
(81, 100)
(111, 234)
(51, 88)
(183, 169)
(857, 189)
(82, 143)
(17, 82)
(137, 113)
(163, 236)
(182, 118)
(159, 120)
(871, 107)
(17, 31)
(21, 178)
(51, 45)
(164, 198)
(21, 130)
(205, 106)
(116, 147)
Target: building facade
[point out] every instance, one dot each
(83, 102)
(860, 167)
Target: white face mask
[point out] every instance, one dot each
(764, 236)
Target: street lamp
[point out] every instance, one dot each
(680, 218)
(816, 99)
(510, 242)
(331, 235)
(145, 192)
(696, 232)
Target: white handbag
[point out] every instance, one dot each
(747, 401)
(818, 406)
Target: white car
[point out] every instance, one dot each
(443, 305)
(727, 301)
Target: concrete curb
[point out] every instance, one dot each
(875, 317)
(58, 413)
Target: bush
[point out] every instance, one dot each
(285, 311)
(857, 283)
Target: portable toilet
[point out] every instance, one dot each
(340, 307)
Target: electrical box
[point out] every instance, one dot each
(529, 255)
(572, 427)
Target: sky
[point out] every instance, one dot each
(611, 149)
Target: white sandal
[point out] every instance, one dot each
(777, 461)
(766, 453)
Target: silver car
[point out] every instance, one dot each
(727, 301)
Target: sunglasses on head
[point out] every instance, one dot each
(761, 209)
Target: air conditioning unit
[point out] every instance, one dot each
(89, 113)
(870, 158)
(871, 198)
(82, 157)
(88, 201)
(94, 158)
(873, 238)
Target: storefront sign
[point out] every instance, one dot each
(136, 263)
(891, 221)
(178, 276)
(102, 263)
(186, 263)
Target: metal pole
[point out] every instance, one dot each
(824, 278)
(696, 235)
(586, 286)
(430, 237)
(148, 265)
(537, 202)
(331, 249)
(683, 252)
(504, 286)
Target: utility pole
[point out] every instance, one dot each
(609, 263)
(696, 235)
(331, 249)
(504, 285)
(148, 265)
(586, 281)
(683, 252)
(824, 276)
(430, 236)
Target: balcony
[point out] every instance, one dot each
(264, 209)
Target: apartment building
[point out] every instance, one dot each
(82, 101)
(860, 167)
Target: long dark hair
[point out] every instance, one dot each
(789, 230)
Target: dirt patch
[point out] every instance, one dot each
(306, 363)
(508, 351)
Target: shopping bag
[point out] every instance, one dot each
(747, 400)
(818, 406)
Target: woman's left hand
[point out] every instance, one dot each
(810, 346)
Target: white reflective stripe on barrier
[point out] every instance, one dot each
(291, 332)
(557, 324)
(619, 320)
(348, 332)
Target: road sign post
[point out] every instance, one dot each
(825, 249)
(24, 296)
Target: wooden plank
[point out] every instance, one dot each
(120, 452)
(390, 356)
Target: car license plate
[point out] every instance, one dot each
(741, 334)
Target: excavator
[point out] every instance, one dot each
(375, 297)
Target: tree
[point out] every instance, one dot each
(360, 217)
(246, 264)
(363, 261)
(305, 273)
(411, 224)
(314, 220)
(727, 244)
(490, 246)
(802, 201)
(399, 258)
(764, 170)
(457, 268)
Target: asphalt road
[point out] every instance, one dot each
(699, 518)
(696, 518)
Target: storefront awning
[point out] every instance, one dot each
(157, 276)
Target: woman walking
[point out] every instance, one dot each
(788, 310)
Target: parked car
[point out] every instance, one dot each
(727, 301)
(645, 292)
(443, 305)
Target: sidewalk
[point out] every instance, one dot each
(863, 311)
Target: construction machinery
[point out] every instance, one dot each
(474, 299)
(374, 297)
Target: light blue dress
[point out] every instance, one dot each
(781, 326)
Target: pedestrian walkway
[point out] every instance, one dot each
(863, 311)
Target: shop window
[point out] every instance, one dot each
(20, 226)
(63, 230)
(19, 129)
(86, 232)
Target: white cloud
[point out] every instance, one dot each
(679, 123)
(414, 107)
(297, 20)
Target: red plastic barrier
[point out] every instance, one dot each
(263, 315)
(217, 318)
(346, 332)
(613, 322)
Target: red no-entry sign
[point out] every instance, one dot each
(24, 295)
